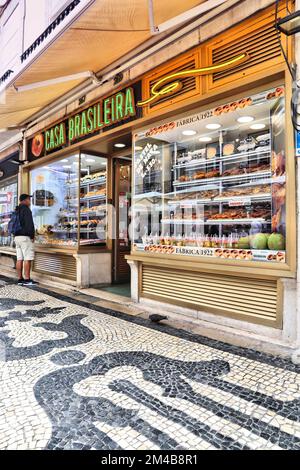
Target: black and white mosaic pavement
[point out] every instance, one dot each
(77, 376)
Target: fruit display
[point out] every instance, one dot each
(276, 241)
(259, 241)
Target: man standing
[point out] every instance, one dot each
(24, 238)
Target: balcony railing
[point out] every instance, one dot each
(6, 75)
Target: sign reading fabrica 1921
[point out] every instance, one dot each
(105, 114)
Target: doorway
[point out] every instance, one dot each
(122, 204)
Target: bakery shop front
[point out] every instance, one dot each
(79, 174)
(9, 169)
(214, 184)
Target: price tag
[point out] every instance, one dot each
(240, 202)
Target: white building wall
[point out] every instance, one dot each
(22, 22)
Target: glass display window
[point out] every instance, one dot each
(213, 184)
(8, 203)
(93, 200)
(69, 201)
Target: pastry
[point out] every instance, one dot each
(43, 198)
(211, 152)
(228, 149)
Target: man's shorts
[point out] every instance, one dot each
(25, 248)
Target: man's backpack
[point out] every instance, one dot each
(14, 225)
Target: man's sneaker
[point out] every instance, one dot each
(29, 282)
(20, 282)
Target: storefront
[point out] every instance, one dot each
(9, 169)
(213, 223)
(79, 175)
(214, 182)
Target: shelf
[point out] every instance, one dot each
(71, 231)
(190, 202)
(88, 183)
(148, 195)
(93, 213)
(218, 200)
(237, 156)
(235, 221)
(92, 242)
(254, 197)
(6, 214)
(93, 198)
(222, 179)
(182, 221)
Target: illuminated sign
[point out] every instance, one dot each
(101, 116)
(171, 84)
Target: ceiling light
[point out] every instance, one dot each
(258, 127)
(90, 160)
(205, 139)
(67, 166)
(245, 119)
(213, 127)
(189, 132)
(120, 146)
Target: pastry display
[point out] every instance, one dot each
(258, 212)
(96, 192)
(94, 176)
(43, 198)
(246, 191)
(62, 225)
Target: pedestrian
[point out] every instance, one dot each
(22, 227)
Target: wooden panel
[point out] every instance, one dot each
(123, 268)
(255, 300)
(190, 85)
(257, 37)
(55, 264)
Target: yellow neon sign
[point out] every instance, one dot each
(163, 87)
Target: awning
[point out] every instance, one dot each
(104, 33)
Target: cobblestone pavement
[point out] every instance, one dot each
(78, 376)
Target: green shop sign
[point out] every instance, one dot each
(106, 114)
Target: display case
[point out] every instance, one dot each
(213, 184)
(8, 203)
(69, 202)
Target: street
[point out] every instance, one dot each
(79, 376)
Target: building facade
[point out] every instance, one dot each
(175, 168)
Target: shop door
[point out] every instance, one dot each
(121, 270)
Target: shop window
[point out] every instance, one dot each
(69, 202)
(8, 203)
(213, 184)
